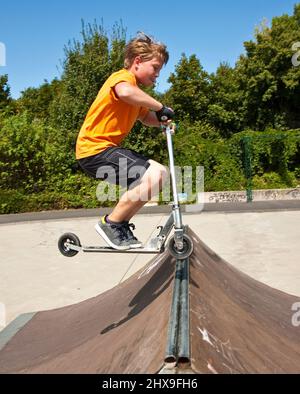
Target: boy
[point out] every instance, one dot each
(119, 104)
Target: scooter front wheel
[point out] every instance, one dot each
(186, 251)
(68, 238)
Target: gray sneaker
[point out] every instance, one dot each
(133, 241)
(114, 234)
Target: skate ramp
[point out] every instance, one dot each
(238, 325)
(121, 331)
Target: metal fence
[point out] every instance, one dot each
(247, 149)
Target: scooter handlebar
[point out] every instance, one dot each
(169, 128)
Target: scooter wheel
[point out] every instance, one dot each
(71, 239)
(187, 250)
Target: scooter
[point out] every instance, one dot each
(180, 245)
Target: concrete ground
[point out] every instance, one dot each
(35, 276)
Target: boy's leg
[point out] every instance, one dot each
(116, 231)
(133, 200)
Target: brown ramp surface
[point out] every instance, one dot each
(121, 331)
(238, 325)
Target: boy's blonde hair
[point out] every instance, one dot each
(145, 47)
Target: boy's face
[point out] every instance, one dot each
(146, 72)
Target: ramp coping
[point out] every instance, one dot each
(12, 329)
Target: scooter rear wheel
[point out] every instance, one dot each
(187, 250)
(71, 239)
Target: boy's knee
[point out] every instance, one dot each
(161, 173)
(164, 174)
(158, 174)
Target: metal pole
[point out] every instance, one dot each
(248, 166)
(184, 317)
(177, 215)
(171, 350)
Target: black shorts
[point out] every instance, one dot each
(116, 165)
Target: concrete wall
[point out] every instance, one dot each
(258, 195)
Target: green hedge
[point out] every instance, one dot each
(36, 162)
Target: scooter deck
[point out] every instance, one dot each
(108, 249)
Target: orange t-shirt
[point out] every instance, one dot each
(109, 119)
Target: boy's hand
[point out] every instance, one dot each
(165, 114)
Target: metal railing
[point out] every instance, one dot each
(247, 148)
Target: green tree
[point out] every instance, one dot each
(7, 104)
(267, 76)
(225, 97)
(86, 66)
(37, 101)
(189, 92)
(22, 152)
(4, 91)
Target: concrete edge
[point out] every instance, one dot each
(227, 207)
(14, 327)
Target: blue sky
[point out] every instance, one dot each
(35, 32)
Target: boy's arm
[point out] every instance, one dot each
(150, 120)
(135, 96)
